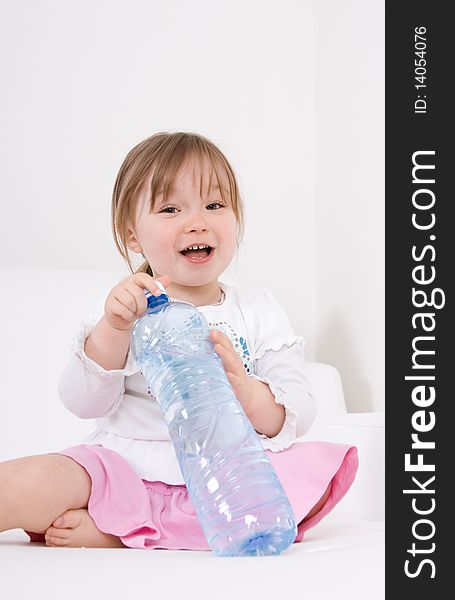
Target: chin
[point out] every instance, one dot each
(196, 282)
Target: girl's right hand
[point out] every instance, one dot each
(126, 302)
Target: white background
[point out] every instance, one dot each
(291, 91)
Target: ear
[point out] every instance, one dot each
(132, 242)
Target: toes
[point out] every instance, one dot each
(55, 541)
(56, 533)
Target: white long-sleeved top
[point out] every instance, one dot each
(129, 419)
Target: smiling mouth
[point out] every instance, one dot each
(197, 253)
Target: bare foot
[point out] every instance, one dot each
(78, 530)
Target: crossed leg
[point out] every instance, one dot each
(76, 528)
(36, 490)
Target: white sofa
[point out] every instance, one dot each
(342, 555)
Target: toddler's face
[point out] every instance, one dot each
(185, 219)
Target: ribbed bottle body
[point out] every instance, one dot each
(239, 500)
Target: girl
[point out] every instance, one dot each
(176, 202)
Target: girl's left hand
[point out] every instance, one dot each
(233, 366)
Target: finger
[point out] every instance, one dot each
(223, 351)
(145, 281)
(135, 297)
(234, 379)
(220, 338)
(165, 280)
(159, 289)
(130, 293)
(230, 362)
(118, 308)
(125, 297)
(137, 292)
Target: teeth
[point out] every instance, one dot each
(196, 247)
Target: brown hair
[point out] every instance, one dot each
(164, 153)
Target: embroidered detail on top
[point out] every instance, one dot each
(238, 341)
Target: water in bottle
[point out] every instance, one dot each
(238, 498)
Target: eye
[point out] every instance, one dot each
(169, 209)
(166, 208)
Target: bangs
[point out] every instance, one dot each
(193, 152)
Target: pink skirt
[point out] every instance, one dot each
(154, 514)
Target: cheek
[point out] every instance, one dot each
(156, 239)
(228, 232)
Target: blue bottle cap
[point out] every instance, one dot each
(153, 301)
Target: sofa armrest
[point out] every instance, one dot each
(326, 385)
(366, 497)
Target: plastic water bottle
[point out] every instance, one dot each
(238, 498)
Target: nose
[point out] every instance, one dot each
(196, 221)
